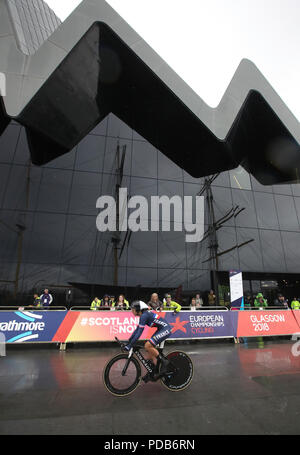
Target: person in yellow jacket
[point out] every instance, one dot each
(121, 303)
(95, 305)
(170, 305)
(295, 305)
(37, 301)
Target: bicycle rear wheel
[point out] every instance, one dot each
(183, 371)
(115, 382)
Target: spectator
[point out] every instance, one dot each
(260, 302)
(295, 305)
(46, 299)
(169, 304)
(154, 303)
(36, 301)
(69, 297)
(281, 301)
(199, 301)
(248, 303)
(211, 298)
(121, 303)
(193, 304)
(105, 302)
(95, 305)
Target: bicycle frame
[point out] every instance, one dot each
(136, 351)
(141, 358)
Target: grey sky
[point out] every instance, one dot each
(204, 41)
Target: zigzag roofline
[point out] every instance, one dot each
(227, 126)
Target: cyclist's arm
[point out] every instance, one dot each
(135, 336)
(138, 331)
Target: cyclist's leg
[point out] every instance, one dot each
(152, 358)
(159, 336)
(152, 351)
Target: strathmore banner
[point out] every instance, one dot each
(30, 326)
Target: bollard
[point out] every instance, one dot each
(2, 345)
(2, 84)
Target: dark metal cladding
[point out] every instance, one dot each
(102, 74)
(4, 119)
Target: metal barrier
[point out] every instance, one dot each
(61, 326)
(87, 308)
(208, 308)
(254, 308)
(183, 308)
(32, 308)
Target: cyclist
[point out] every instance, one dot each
(150, 319)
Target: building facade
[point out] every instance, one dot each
(48, 221)
(33, 22)
(95, 70)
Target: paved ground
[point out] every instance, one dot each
(237, 389)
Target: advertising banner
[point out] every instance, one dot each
(296, 314)
(30, 326)
(266, 323)
(100, 326)
(96, 326)
(200, 324)
(84, 326)
(236, 288)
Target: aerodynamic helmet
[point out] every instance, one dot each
(139, 305)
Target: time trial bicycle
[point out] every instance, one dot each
(123, 373)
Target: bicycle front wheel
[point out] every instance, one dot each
(122, 384)
(183, 371)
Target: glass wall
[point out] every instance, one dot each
(48, 218)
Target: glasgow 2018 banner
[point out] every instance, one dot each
(265, 323)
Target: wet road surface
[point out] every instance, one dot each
(237, 389)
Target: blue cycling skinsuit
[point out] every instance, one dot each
(152, 320)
